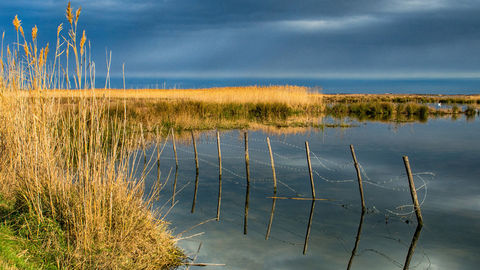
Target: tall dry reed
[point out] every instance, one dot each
(66, 167)
(70, 167)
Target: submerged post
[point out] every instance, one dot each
(307, 234)
(195, 151)
(247, 199)
(359, 177)
(273, 166)
(247, 193)
(269, 227)
(413, 191)
(247, 158)
(307, 149)
(357, 240)
(411, 249)
(195, 194)
(219, 155)
(174, 148)
(196, 171)
(219, 176)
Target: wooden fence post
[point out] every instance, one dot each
(307, 234)
(219, 176)
(312, 185)
(247, 158)
(195, 151)
(359, 177)
(413, 191)
(273, 166)
(174, 148)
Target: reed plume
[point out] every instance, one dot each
(77, 14)
(34, 33)
(69, 14)
(82, 43)
(18, 26)
(16, 22)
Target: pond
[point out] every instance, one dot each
(267, 233)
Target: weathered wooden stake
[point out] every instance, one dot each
(196, 171)
(174, 148)
(307, 235)
(273, 166)
(413, 191)
(219, 176)
(359, 177)
(219, 154)
(307, 149)
(195, 151)
(247, 158)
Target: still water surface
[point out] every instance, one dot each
(444, 157)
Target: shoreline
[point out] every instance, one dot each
(280, 107)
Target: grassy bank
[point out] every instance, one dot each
(203, 109)
(74, 201)
(403, 98)
(401, 108)
(68, 197)
(281, 107)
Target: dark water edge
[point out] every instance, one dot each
(443, 153)
(327, 86)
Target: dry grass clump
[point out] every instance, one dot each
(70, 170)
(71, 195)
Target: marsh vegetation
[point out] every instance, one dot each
(69, 195)
(69, 198)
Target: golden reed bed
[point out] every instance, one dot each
(292, 95)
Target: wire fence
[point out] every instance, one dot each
(333, 172)
(290, 159)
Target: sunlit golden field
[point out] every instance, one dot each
(292, 95)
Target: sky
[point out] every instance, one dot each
(269, 38)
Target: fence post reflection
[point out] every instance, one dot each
(357, 240)
(307, 235)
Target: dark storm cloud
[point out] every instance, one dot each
(273, 38)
